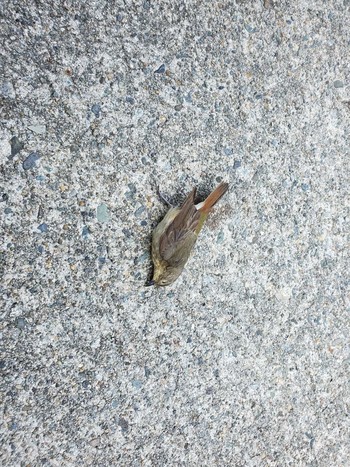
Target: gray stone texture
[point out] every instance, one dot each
(245, 360)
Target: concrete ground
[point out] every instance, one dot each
(245, 360)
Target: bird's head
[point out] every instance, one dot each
(164, 276)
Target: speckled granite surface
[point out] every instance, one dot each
(246, 359)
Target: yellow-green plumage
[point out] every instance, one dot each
(175, 236)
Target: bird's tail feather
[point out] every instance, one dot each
(213, 198)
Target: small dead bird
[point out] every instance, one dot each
(175, 236)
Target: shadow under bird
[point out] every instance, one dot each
(175, 236)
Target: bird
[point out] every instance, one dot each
(175, 236)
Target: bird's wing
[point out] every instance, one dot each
(178, 239)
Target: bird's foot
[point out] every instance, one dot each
(163, 198)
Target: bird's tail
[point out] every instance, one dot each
(213, 198)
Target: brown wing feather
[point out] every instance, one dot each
(180, 235)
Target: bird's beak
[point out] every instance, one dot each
(149, 283)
